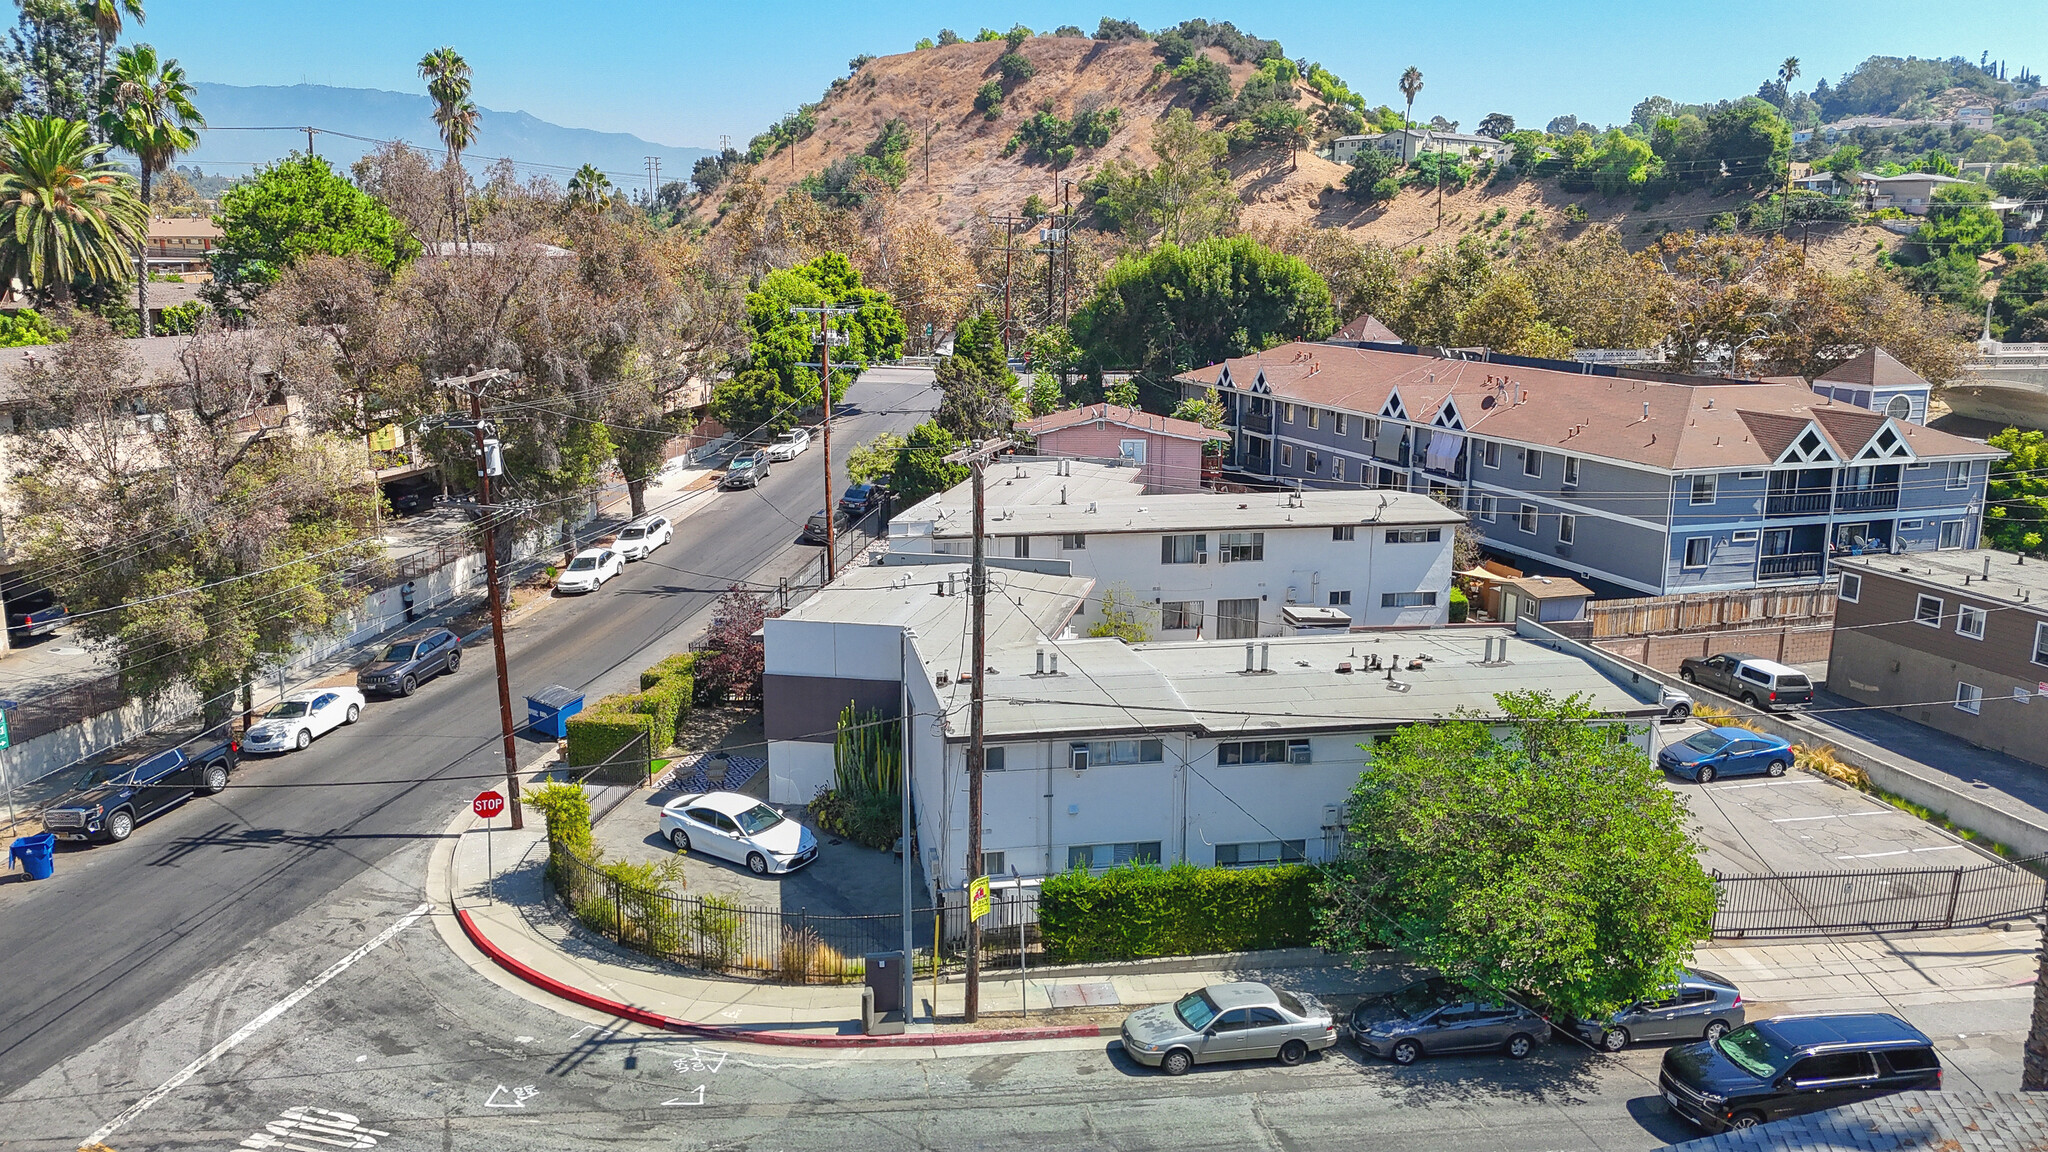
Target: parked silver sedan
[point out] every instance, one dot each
(1702, 1006)
(1241, 1021)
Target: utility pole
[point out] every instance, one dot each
(309, 141)
(1009, 224)
(976, 458)
(489, 463)
(653, 178)
(824, 367)
(1066, 251)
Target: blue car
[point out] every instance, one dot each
(1726, 752)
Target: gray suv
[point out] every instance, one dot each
(404, 664)
(1436, 1017)
(1702, 1005)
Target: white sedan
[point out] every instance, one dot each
(740, 829)
(589, 570)
(638, 540)
(297, 720)
(790, 444)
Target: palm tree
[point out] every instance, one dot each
(148, 111)
(590, 187)
(107, 18)
(447, 77)
(1787, 73)
(65, 211)
(1411, 83)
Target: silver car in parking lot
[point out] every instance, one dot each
(1702, 1006)
(1240, 1021)
(1434, 1017)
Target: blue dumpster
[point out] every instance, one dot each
(37, 855)
(549, 710)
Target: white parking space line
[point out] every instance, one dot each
(1834, 816)
(1902, 852)
(1764, 784)
(252, 1027)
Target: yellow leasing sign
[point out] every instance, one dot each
(977, 897)
(387, 438)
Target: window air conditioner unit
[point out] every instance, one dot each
(1077, 757)
(1201, 557)
(1297, 752)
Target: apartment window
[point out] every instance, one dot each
(1368, 428)
(1344, 532)
(1757, 474)
(1095, 856)
(1959, 473)
(1970, 621)
(1407, 599)
(1704, 487)
(1414, 535)
(993, 864)
(1101, 752)
(1571, 471)
(1747, 536)
(1315, 417)
(1132, 450)
(1263, 752)
(2041, 643)
(1023, 546)
(1259, 853)
(1340, 599)
(1927, 610)
(1567, 528)
(1532, 463)
(1180, 614)
(1237, 619)
(1492, 454)
(1969, 698)
(1287, 413)
(1315, 462)
(1912, 525)
(1343, 422)
(1697, 550)
(1287, 455)
(1184, 549)
(1073, 542)
(1919, 465)
(1487, 507)
(1336, 468)
(1526, 519)
(1852, 588)
(1951, 534)
(992, 758)
(1237, 547)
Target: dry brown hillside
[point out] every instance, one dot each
(961, 173)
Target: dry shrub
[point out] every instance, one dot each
(1826, 762)
(1721, 718)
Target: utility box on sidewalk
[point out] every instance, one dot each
(882, 999)
(549, 710)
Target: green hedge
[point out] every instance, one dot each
(1461, 606)
(658, 710)
(1143, 911)
(596, 733)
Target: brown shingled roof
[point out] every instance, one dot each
(1875, 368)
(1369, 329)
(1774, 431)
(1673, 426)
(1123, 417)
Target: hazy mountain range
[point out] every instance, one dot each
(367, 112)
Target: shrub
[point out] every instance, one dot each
(651, 918)
(567, 810)
(1369, 170)
(1460, 606)
(1016, 68)
(1207, 81)
(989, 100)
(869, 819)
(716, 925)
(1824, 761)
(596, 733)
(1145, 911)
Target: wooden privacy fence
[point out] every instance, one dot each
(1711, 611)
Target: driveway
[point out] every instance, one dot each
(1802, 822)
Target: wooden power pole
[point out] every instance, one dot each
(824, 367)
(976, 459)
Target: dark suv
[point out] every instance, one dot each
(404, 664)
(110, 796)
(1792, 1065)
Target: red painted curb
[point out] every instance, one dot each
(575, 995)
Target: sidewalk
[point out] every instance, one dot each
(2015, 785)
(499, 887)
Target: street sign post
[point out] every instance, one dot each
(488, 804)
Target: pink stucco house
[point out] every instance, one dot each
(1169, 450)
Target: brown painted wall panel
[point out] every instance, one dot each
(807, 707)
(1884, 610)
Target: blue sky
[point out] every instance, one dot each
(684, 73)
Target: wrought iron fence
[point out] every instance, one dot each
(1824, 903)
(799, 947)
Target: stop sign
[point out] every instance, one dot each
(488, 804)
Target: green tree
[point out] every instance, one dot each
(1434, 301)
(1371, 179)
(147, 110)
(1960, 223)
(108, 17)
(979, 396)
(2023, 291)
(591, 188)
(1206, 81)
(1124, 616)
(1175, 308)
(921, 467)
(292, 209)
(1752, 143)
(875, 459)
(53, 59)
(1540, 857)
(1186, 197)
(2016, 500)
(773, 385)
(447, 77)
(1411, 86)
(1845, 163)
(66, 213)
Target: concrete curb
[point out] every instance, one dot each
(743, 1035)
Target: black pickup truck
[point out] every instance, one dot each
(113, 793)
(38, 614)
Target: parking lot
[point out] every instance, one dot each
(1804, 822)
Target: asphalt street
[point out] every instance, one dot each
(122, 928)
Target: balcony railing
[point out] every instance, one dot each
(1262, 423)
(1793, 566)
(1797, 503)
(1867, 500)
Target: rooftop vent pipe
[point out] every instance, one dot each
(1248, 658)
(1265, 650)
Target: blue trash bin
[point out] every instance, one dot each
(549, 710)
(37, 855)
